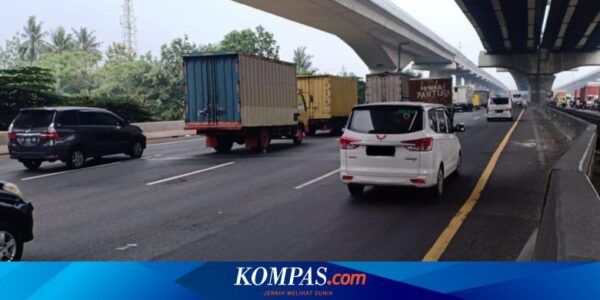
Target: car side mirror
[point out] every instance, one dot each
(460, 127)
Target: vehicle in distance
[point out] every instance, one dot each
(325, 102)
(387, 87)
(500, 108)
(16, 222)
(71, 135)
(399, 144)
(238, 98)
(463, 98)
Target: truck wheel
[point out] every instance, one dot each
(264, 140)
(11, 246)
(224, 145)
(32, 164)
(299, 136)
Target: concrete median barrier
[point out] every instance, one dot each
(152, 130)
(570, 226)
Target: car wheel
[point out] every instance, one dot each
(356, 189)
(11, 246)
(438, 189)
(32, 164)
(76, 159)
(137, 150)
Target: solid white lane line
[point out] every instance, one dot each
(317, 179)
(69, 171)
(177, 142)
(189, 174)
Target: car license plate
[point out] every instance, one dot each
(381, 151)
(499, 111)
(28, 140)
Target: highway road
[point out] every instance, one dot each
(184, 202)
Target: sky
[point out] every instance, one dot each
(207, 21)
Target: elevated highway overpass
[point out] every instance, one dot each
(384, 37)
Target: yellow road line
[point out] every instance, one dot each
(440, 245)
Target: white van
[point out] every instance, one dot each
(500, 108)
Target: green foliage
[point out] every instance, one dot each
(259, 42)
(25, 87)
(303, 62)
(75, 71)
(9, 54)
(61, 41)
(85, 40)
(118, 52)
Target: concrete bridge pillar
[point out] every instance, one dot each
(539, 86)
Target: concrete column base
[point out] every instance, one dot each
(539, 86)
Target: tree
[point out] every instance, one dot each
(303, 62)
(9, 55)
(32, 40)
(259, 42)
(75, 71)
(61, 41)
(118, 52)
(86, 40)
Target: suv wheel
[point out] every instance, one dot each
(356, 189)
(32, 164)
(11, 246)
(458, 165)
(76, 159)
(136, 150)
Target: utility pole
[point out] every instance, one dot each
(128, 27)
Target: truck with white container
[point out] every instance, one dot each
(387, 87)
(463, 98)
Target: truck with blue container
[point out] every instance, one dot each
(238, 98)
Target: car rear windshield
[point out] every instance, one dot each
(500, 101)
(34, 119)
(387, 119)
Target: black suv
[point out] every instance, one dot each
(71, 135)
(16, 222)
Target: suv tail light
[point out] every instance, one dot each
(348, 143)
(50, 133)
(11, 134)
(422, 145)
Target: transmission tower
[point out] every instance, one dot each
(128, 26)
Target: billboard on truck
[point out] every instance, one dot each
(233, 97)
(431, 90)
(387, 87)
(328, 99)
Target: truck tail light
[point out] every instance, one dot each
(347, 143)
(50, 133)
(421, 145)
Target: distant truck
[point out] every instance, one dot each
(432, 90)
(589, 94)
(463, 98)
(480, 98)
(327, 102)
(387, 87)
(518, 98)
(237, 98)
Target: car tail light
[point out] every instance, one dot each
(418, 181)
(50, 133)
(347, 178)
(348, 143)
(422, 145)
(11, 134)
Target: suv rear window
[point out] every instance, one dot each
(500, 101)
(387, 119)
(34, 119)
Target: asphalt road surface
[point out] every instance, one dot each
(184, 202)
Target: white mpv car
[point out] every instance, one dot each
(500, 108)
(399, 144)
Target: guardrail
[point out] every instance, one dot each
(570, 226)
(152, 130)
